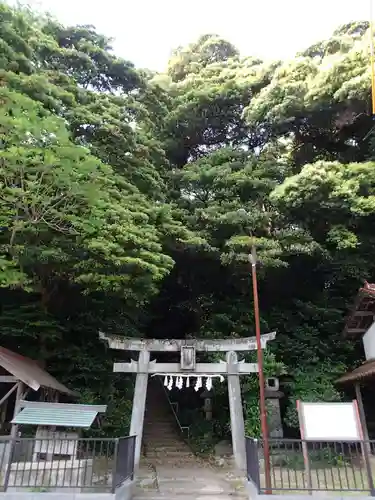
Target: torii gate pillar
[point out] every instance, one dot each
(236, 411)
(139, 404)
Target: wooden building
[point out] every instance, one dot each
(18, 377)
(360, 325)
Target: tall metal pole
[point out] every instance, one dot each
(372, 57)
(262, 395)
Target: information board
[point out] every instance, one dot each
(329, 421)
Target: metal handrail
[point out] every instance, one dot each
(172, 405)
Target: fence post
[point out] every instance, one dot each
(252, 462)
(366, 455)
(115, 464)
(12, 445)
(132, 462)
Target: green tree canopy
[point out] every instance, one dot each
(129, 201)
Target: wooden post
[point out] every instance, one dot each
(361, 412)
(8, 455)
(365, 445)
(9, 393)
(19, 394)
(305, 450)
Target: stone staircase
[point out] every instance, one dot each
(191, 484)
(169, 469)
(163, 443)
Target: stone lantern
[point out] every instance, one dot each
(273, 396)
(207, 396)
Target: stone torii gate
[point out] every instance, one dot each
(188, 368)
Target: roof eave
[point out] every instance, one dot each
(362, 373)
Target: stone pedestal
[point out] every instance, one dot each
(59, 475)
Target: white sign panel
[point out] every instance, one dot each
(329, 421)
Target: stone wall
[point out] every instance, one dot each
(57, 496)
(125, 492)
(53, 476)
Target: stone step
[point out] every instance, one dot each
(160, 425)
(158, 429)
(173, 450)
(151, 495)
(160, 405)
(156, 417)
(161, 429)
(172, 445)
(170, 455)
(165, 435)
(172, 462)
(178, 445)
(154, 426)
(187, 496)
(162, 445)
(193, 488)
(162, 438)
(166, 459)
(166, 439)
(160, 411)
(157, 421)
(196, 491)
(168, 443)
(152, 418)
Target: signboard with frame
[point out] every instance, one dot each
(329, 421)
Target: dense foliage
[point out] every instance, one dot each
(129, 201)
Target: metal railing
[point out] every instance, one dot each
(85, 465)
(184, 429)
(301, 466)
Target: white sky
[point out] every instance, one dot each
(145, 31)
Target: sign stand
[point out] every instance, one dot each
(305, 450)
(331, 422)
